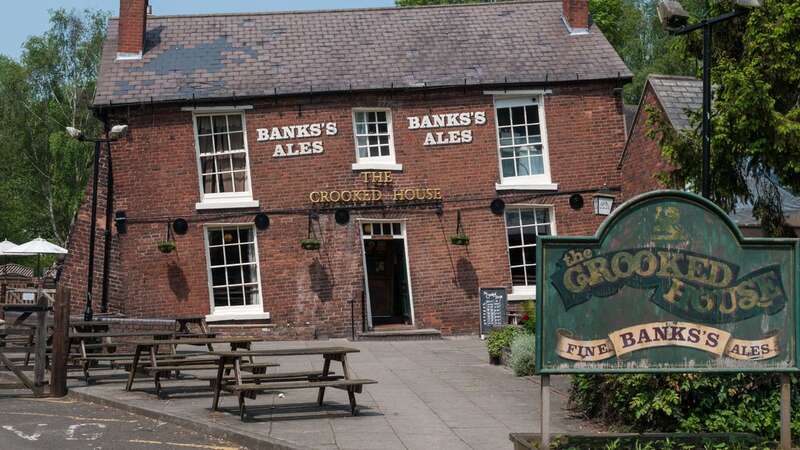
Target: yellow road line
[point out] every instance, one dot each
(88, 419)
(176, 444)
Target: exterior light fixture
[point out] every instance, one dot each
(671, 14)
(603, 202)
(118, 132)
(576, 201)
(75, 133)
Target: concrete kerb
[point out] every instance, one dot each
(250, 441)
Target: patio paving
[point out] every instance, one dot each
(439, 394)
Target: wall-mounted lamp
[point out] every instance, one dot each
(603, 202)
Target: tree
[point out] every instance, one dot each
(52, 87)
(756, 113)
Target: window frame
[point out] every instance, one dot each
(221, 312)
(215, 200)
(527, 292)
(375, 162)
(541, 181)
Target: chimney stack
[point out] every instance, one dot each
(132, 26)
(575, 14)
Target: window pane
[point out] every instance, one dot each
(237, 295)
(245, 250)
(508, 168)
(542, 215)
(220, 297)
(520, 137)
(385, 150)
(237, 141)
(374, 151)
(531, 274)
(537, 165)
(505, 136)
(367, 229)
(249, 274)
(209, 184)
(514, 236)
(523, 167)
(512, 218)
(240, 180)
(381, 116)
(230, 237)
(533, 114)
(224, 163)
(251, 295)
(239, 161)
(245, 235)
(220, 124)
(528, 217)
(515, 255)
(232, 255)
(396, 229)
(221, 142)
(534, 133)
(361, 117)
(543, 230)
(503, 117)
(235, 122)
(518, 276)
(204, 125)
(372, 128)
(206, 144)
(518, 115)
(218, 277)
(361, 128)
(216, 256)
(235, 275)
(215, 237)
(362, 152)
(383, 128)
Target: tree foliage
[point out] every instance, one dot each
(51, 87)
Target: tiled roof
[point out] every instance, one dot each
(678, 95)
(253, 55)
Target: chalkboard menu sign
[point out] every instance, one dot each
(494, 307)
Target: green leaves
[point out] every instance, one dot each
(44, 172)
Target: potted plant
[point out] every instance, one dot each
(459, 239)
(310, 244)
(166, 246)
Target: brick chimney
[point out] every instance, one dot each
(575, 14)
(132, 26)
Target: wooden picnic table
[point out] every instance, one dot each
(151, 347)
(288, 381)
(182, 322)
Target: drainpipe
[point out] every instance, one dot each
(109, 218)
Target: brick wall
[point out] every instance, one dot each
(155, 175)
(643, 161)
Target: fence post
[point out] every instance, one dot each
(40, 359)
(58, 372)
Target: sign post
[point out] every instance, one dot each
(668, 284)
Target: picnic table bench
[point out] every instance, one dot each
(292, 380)
(88, 341)
(150, 347)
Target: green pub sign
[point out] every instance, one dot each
(668, 284)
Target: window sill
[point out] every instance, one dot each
(221, 317)
(526, 186)
(378, 166)
(226, 204)
(521, 296)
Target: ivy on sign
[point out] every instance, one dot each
(668, 284)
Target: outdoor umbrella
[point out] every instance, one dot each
(38, 247)
(6, 247)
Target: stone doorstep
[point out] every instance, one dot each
(219, 431)
(401, 335)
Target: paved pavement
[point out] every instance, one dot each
(69, 424)
(430, 394)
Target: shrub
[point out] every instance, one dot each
(523, 351)
(528, 320)
(685, 402)
(501, 338)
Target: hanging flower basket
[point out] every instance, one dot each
(310, 244)
(459, 239)
(166, 246)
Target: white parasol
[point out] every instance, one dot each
(38, 247)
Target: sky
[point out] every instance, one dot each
(30, 17)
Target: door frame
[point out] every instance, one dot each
(404, 236)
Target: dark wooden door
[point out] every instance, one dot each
(380, 273)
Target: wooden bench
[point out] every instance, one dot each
(277, 382)
(158, 371)
(315, 375)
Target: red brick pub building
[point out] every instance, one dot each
(378, 133)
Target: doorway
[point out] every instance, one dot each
(386, 274)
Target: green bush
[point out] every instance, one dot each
(523, 351)
(528, 320)
(690, 403)
(501, 338)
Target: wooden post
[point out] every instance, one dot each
(40, 359)
(786, 412)
(58, 373)
(544, 428)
